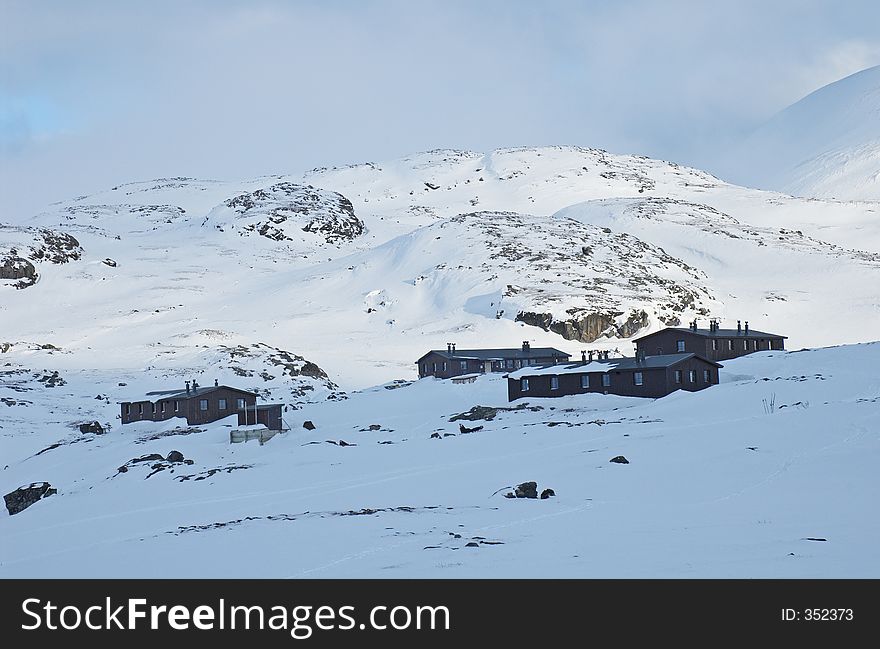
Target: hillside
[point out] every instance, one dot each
(827, 145)
(361, 269)
(320, 291)
(770, 474)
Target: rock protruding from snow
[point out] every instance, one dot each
(619, 459)
(24, 497)
(547, 493)
(308, 425)
(526, 490)
(284, 211)
(23, 248)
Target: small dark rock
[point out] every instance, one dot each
(619, 459)
(342, 442)
(110, 262)
(509, 494)
(435, 435)
(375, 426)
(24, 497)
(464, 429)
(308, 425)
(122, 384)
(91, 427)
(472, 544)
(526, 490)
(123, 469)
(175, 456)
(547, 493)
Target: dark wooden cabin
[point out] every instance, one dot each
(453, 362)
(269, 415)
(714, 343)
(198, 405)
(648, 376)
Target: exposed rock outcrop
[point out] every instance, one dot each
(23, 497)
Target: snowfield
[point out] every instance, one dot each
(770, 474)
(320, 291)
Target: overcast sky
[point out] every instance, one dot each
(97, 93)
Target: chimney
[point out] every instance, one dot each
(187, 387)
(747, 327)
(739, 328)
(591, 355)
(449, 347)
(453, 347)
(525, 346)
(216, 384)
(195, 385)
(584, 357)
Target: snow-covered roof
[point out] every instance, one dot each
(498, 354)
(708, 333)
(627, 363)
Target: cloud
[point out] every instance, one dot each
(236, 89)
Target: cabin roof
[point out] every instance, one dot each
(612, 364)
(718, 333)
(497, 354)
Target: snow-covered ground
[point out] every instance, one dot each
(770, 474)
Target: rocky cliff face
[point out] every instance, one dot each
(587, 327)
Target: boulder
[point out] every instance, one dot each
(619, 459)
(24, 497)
(547, 493)
(435, 435)
(175, 456)
(308, 425)
(92, 427)
(526, 490)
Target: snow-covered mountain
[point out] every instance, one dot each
(361, 269)
(826, 145)
(312, 290)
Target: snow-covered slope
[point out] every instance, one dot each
(308, 289)
(827, 145)
(770, 474)
(361, 269)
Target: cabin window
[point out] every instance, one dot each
(177, 406)
(221, 404)
(746, 345)
(203, 404)
(140, 408)
(585, 381)
(554, 382)
(509, 363)
(463, 366)
(239, 403)
(638, 379)
(162, 407)
(524, 385)
(127, 408)
(606, 380)
(730, 345)
(678, 376)
(433, 368)
(153, 408)
(692, 376)
(707, 377)
(714, 345)
(444, 366)
(679, 345)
